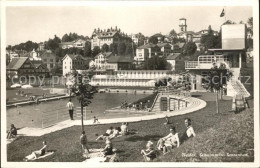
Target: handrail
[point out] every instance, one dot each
(155, 100)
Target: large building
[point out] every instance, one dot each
(109, 36)
(172, 59)
(100, 60)
(73, 62)
(117, 63)
(138, 39)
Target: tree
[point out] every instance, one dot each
(95, 51)
(113, 48)
(210, 40)
(9, 47)
(56, 70)
(130, 49)
(87, 49)
(153, 40)
(66, 38)
(105, 48)
(83, 90)
(250, 25)
(215, 80)
(228, 22)
(189, 48)
(173, 33)
(52, 44)
(121, 48)
(155, 63)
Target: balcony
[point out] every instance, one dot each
(206, 62)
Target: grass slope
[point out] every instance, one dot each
(224, 132)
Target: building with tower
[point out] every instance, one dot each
(183, 25)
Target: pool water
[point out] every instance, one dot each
(31, 115)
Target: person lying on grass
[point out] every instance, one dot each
(115, 133)
(107, 134)
(148, 153)
(40, 152)
(12, 132)
(189, 132)
(169, 142)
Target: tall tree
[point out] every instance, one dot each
(153, 40)
(95, 51)
(173, 33)
(130, 48)
(155, 63)
(87, 49)
(113, 48)
(121, 48)
(105, 48)
(189, 48)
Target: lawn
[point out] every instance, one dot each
(216, 133)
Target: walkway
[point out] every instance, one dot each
(195, 104)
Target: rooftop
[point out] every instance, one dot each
(173, 56)
(119, 59)
(16, 63)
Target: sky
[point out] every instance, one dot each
(39, 23)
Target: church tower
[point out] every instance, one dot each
(183, 25)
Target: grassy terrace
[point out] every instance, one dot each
(216, 133)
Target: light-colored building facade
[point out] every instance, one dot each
(171, 59)
(79, 43)
(100, 60)
(109, 36)
(146, 51)
(72, 62)
(166, 48)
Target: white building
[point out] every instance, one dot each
(101, 59)
(73, 62)
(172, 59)
(146, 51)
(79, 43)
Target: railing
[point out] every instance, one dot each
(191, 64)
(155, 100)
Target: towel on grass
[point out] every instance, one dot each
(31, 156)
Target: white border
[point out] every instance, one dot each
(253, 3)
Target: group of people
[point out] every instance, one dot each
(107, 136)
(169, 142)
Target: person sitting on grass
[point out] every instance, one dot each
(40, 152)
(148, 153)
(189, 132)
(12, 132)
(124, 129)
(84, 141)
(95, 120)
(169, 142)
(107, 134)
(108, 150)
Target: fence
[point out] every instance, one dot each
(55, 116)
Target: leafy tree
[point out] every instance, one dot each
(9, 47)
(210, 40)
(105, 48)
(52, 44)
(228, 22)
(173, 33)
(189, 48)
(113, 48)
(87, 49)
(121, 48)
(83, 90)
(250, 25)
(95, 51)
(156, 63)
(153, 40)
(130, 49)
(57, 70)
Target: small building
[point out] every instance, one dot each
(41, 69)
(79, 43)
(146, 51)
(49, 59)
(172, 59)
(116, 63)
(73, 62)
(165, 48)
(101, 59)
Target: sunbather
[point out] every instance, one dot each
(189, 132)
(124, 129)
(170, 141)
(12, 132)
(108, 150)
(149, 153)
(115, 133)
(107, 134)
(38, 153)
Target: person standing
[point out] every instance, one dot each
(70, 107)
(84, 141)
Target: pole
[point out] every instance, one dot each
(217, 102)
(82, 124)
